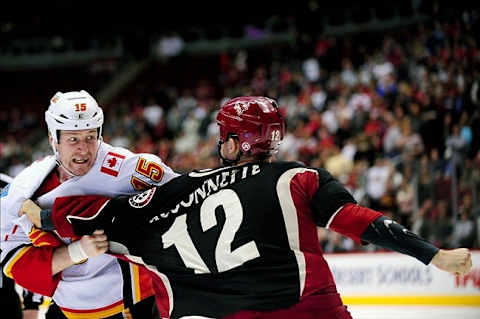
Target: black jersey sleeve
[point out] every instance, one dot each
(126, 221)
(89, 220)
(328, 198)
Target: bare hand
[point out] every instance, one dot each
(95, 244)
(456, 261)
(32, 211)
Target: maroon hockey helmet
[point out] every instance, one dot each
(255, 120)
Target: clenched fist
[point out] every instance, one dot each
(456, 261)
(88, 246)
(95, 244)
(32, 211)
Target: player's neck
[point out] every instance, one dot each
(63, 175)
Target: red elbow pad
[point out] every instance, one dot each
(352, 220)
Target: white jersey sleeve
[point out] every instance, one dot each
(142, 171)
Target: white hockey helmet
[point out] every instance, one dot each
(73, 111)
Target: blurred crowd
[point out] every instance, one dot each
(395, 118)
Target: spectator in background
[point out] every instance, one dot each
(189, 136)
(466, 129)
(152, 113)
(338, 164)
(425, 185)
(405, 200)
(456, 149)
(392, 135)
(357, 180)
(415, 117)
(348, 75)
(410, 142)
(464, 230)
(436, 163)
(378, 177)
(423, 225)
(442, 225)
(318, 97)
(311, 69)
(381, 69)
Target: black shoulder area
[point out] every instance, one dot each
(283, 165)
(324, 176)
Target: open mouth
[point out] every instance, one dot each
(80, 161)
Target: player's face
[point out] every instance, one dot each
(77, 150)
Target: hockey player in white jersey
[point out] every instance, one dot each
(82, 281)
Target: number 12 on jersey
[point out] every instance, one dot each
(225, 257)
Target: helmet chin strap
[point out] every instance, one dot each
(60, 165)
(70, 173)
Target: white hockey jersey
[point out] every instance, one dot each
(98, 285)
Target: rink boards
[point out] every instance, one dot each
(395, 279)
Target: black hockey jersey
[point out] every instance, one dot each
(228, 239)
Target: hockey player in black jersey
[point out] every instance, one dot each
(240, 241)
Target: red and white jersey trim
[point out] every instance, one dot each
(333, 216)
(290, 216)
(164, 280)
